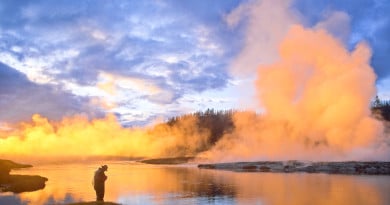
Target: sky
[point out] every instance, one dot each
(146, 61)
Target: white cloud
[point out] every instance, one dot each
(267, 22)
(205, 42)
(99, 35)
(337, 23)
(17, 49)
(32, 68)
(39, 69)
(384, 89)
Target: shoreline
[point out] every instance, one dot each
(347, 167)
(18, 183)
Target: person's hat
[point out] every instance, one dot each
(105, 167)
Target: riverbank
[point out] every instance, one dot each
(94, 203)
(168, 161)
(18, 183)
(351, 167)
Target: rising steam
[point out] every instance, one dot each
(80, 138)
(317, 105)
(315, 94)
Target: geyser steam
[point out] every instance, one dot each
(79, 138)
(316, 95)
(317, 105)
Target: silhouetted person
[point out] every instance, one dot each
(98, 182)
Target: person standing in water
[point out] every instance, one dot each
(98, 182)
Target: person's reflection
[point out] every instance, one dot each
(98, 182)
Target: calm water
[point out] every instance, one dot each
(134, 183)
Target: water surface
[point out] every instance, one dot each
(135, 183)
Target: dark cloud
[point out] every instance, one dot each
(381, 47)
(21, 98)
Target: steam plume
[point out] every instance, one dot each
(317, 105)
(316, 96)
(79, 138)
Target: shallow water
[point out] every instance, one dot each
(135, 183)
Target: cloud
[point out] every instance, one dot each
(116, 85)
(369, 21)
(337, 23)
(266, 23)
(383, 88)
(164, 43)
(21, 98)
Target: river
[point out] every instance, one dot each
(136, 183)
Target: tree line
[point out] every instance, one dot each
(217, 122)
(381, 107)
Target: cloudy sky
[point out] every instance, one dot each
(145, 61)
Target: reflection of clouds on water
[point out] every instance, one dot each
(11, 199)
(20, 199)
(67, 199)
(211, 200)
(175, 198)
(135, 199)
(44, 198)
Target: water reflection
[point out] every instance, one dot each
(133, 183)
(8, 198)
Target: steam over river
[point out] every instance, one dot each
(135, 183)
